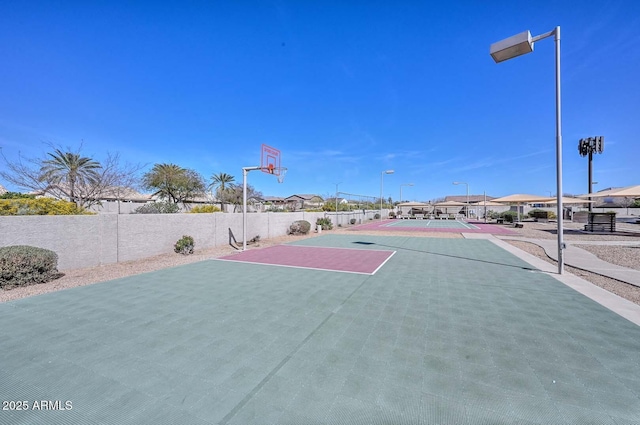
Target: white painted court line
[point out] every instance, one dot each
(313, 268)
(296, 267)
(384, 262)
(468, 225)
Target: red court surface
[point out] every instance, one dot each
(495, 229)
(364, 261)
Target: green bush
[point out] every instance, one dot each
(509, 216)
(537, 213)
(39, 206)
(352, 221)
(22, 265)
(16, 195)
(184, 245)
(325, 223)
(377, 216)
(205, 209)
(157, 208)
(392, 214)
(299, 227)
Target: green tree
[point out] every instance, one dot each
(233, 195)
(220, 181)
(16, 195)
(174, 183)
(69, 169)
(65, 174)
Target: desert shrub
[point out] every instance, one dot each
(40, 206)
(184, 245)
(325, 222)
(157, 208)
(377, 216)
(299, 227)
(205, 209)
(22, 265)
(537, 213)
(352, 221)
(509, 216)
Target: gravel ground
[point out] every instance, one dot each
(624, 256)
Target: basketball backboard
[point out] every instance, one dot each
(270, 160)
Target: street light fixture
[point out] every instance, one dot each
(404, 184)
(521, 44)
(466, 210)
(381, 182)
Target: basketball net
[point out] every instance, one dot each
(278, 171)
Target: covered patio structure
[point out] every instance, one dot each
(414, 209)
(449, 204)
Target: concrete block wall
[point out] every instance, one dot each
(93, 240)
(79, 241)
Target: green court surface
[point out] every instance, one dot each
(433, 224)
(448, 331)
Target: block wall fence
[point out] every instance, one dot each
(95, 240)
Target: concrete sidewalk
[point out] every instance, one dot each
(613, 302)
(582, 259)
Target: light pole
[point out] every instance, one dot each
(337, 203)
(381, 184)
(466, 210)
(521, 44)
(404, 184)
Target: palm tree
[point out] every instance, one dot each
(173, 182)
(220, 180)
(71, 169)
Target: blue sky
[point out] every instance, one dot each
(345, 89)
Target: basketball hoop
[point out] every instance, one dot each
(280, 173)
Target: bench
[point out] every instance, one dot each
(594, 227)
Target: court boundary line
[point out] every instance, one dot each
(465, 225)
(311, 268)
(383, 263)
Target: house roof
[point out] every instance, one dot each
(340, 200)
(303, 196)
(273, 199)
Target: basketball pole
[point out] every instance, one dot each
(245, 171)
